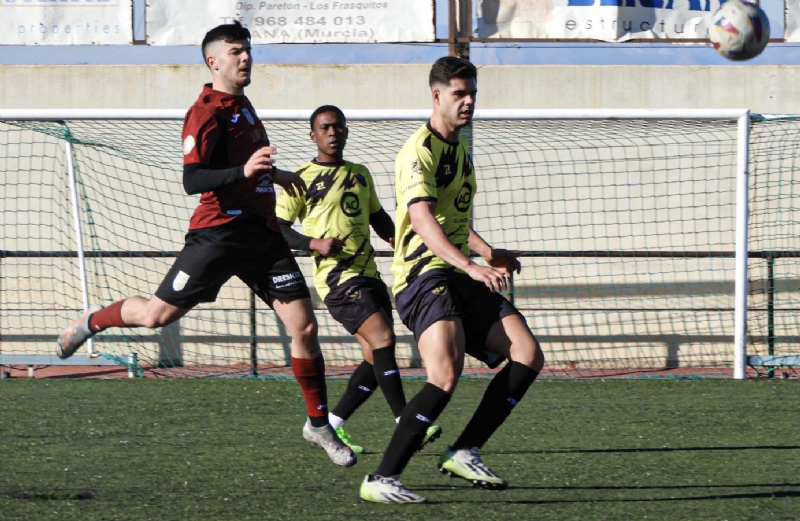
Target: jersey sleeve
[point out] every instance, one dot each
(417, 175)
(199, 137)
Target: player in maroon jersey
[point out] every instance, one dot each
(233, 232)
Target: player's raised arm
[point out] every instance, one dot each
(199, 178)
(200, 137)
(260, 162)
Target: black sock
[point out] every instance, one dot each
(318, 421)
(419, 414)
(504, 392)
(388, 375)
(360, 387)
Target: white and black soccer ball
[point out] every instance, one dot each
(739, 30)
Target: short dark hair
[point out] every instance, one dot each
(323, 109)
(227, 33)
(449, 67)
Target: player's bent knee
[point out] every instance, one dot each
(153, 322)
(538, 361)
(445, 378)
(529, 354)
(307, 331)
(384, 340)
(447, 385)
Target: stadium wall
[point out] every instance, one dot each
(761, 88)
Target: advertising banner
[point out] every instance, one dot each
(185, 22)
(792, 31)
(66, 22)
(604, 20)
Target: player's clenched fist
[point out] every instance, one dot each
(329, 247)
(494, 278)
(505, 260)
(259, 162)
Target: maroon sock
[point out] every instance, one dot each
(107, 317)
(310, 374)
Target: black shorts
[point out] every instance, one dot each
(244, 248)
(438, 294)
(356, 299)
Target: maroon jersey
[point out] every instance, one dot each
(222, 131)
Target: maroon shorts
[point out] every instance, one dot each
(438, 294)
(244, 248)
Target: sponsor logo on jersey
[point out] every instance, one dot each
(188, 145)
(249, 117)
(350, 204)
(464, 199)
(265, 185)
(180, 280)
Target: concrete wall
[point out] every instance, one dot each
(763, 88)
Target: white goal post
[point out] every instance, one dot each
(602, 235)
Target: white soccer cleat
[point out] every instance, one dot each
(378, 489)
(326, 438)
(76, 334)
(467, 464)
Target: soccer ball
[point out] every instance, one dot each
(739, 30)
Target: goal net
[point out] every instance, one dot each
(627, 222)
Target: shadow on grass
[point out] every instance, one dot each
(499, 499)
(49, 495)
(778, 494)
(643, 449)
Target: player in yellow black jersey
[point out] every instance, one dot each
(450, 303)
(432, 169)
(336, 213)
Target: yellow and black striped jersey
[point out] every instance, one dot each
(430, 168)
(339, 200)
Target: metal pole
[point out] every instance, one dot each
(133, 365)
(460, 23)
(253, 337)
(76, 216)
(771, 310)
(742, 219)
(451, 27)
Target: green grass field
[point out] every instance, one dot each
(214, 449)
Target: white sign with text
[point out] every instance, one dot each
(66, 22)
(604, 20)
(792, 31)
(185, 22)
